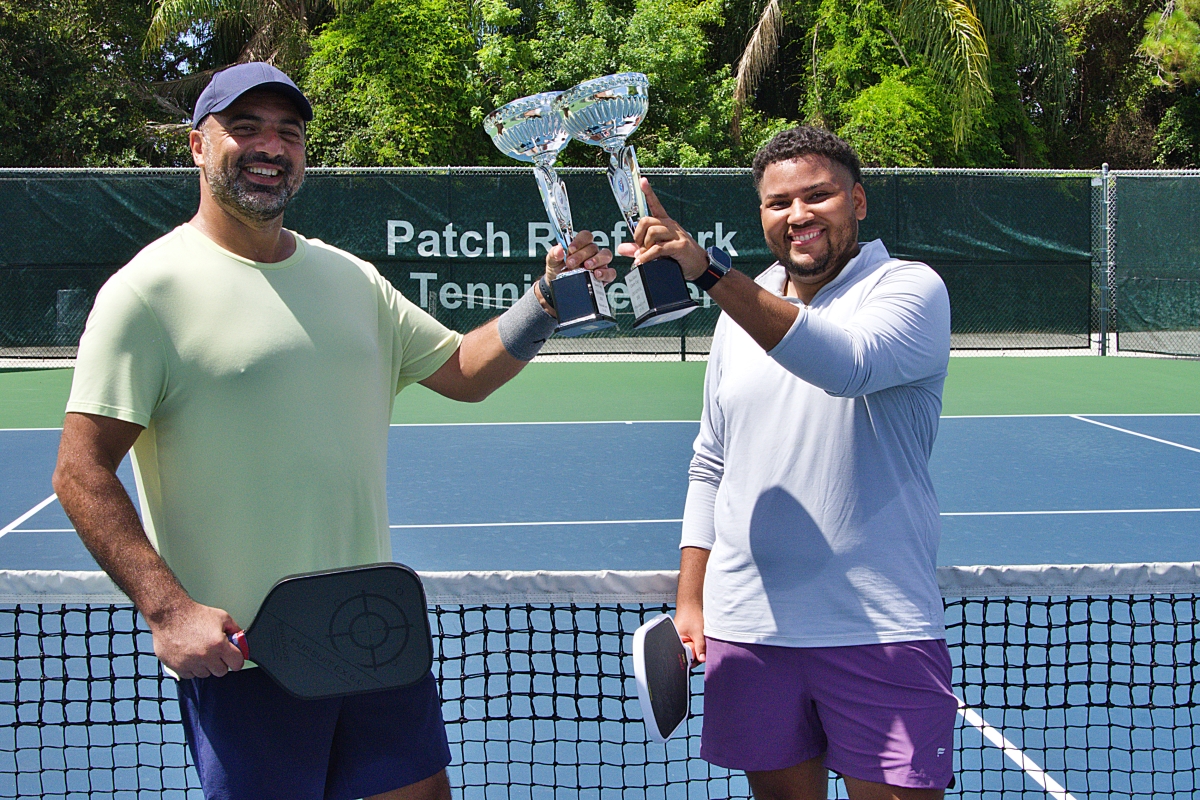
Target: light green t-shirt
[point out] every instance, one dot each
(265, 391)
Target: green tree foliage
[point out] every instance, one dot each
(1173, 43)
(1114, 107)
(232, 31)
(856, 43)
(393, 86)
(1172, 46)
(75, 86)
(397, 82)
(899, 122)
(555, 44)
(859, 75)
(1177, 138)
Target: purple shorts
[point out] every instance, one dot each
(878, 712)
(251, 740)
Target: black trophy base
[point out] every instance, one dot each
(658, 293)
(581, 303)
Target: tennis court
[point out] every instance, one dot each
(1077, 682)
(609, 495)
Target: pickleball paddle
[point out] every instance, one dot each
(342, 632)
(662, 664)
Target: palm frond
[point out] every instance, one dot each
(173, 17)
(955, 45)
(1037, 39)
(758, 58)
(279, 29)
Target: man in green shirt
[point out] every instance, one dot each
(252, 371)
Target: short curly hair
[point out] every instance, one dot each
(802, 141)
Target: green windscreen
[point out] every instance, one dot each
(1013, 248)
(1156, 258)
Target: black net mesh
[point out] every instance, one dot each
(1099, 695)
(1099, 692)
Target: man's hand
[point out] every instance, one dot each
(689, 600)
(583, 253)
(689, 621)
(659, 236)
(193, 641)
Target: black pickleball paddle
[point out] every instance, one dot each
(662, 664)
(342, 632)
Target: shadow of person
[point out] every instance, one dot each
(798, 567)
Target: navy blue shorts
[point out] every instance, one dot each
(251, 739)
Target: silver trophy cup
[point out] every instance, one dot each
(605, 112)
(531, 129)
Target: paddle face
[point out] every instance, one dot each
(343, 632)
(662, 664)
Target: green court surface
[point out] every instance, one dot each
(584, 391)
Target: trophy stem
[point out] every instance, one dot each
(558, 205)
(625, 179)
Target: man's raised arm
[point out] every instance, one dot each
(496, 351)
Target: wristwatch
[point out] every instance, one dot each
(719, 263)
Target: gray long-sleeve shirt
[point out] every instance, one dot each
(810, 480)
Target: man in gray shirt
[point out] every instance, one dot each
(807, 572)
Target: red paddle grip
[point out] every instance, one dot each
(238, 640)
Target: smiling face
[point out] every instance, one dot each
(810, 209)
(251, 155)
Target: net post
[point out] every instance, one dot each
(1105, 262)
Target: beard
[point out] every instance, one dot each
(260, 203)
(843, 245)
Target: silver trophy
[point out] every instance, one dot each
(605, 112)
(531, 129)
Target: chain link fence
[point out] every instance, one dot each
(1086, 261)
(1155, 261)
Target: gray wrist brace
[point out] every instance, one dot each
(525, 327)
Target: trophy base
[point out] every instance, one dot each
(581, 302)
(658, 293)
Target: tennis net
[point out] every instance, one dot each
(1075, 682)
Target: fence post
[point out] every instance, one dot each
(1106, 289)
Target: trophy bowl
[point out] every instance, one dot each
(529, 129)
(605, 111)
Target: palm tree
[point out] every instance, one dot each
(275, 31)
(954, 36)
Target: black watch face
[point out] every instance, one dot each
(721, 257)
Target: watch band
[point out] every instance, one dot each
(719, 263)
(544, 285)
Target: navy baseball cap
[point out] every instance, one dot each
(230, 84)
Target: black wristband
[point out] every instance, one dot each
(544, 286)
(719, 263)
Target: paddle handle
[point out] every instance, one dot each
(239, 641)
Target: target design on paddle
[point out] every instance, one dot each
(369, 630)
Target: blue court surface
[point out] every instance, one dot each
(587, 496)
(584, 496)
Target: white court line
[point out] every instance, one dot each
(42, 530)
(552, 523)
(562, 422)
(1083, 414)
(695, 421)
(12, 525)
(1014, 753)
(1072, 511)
(1135, 433)
(536, 524)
